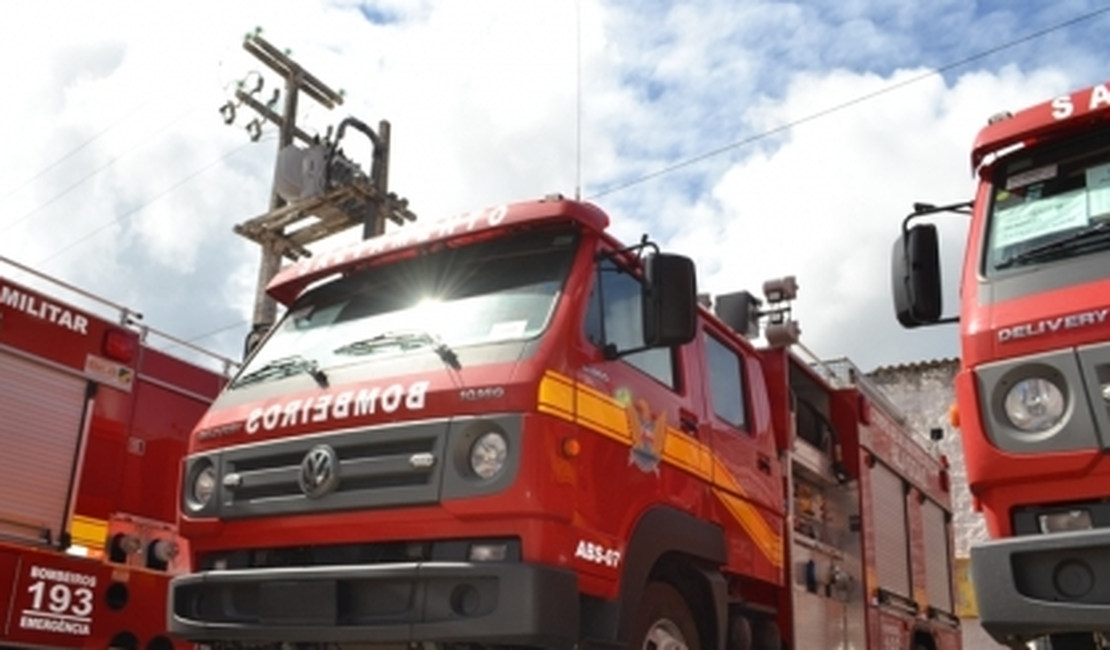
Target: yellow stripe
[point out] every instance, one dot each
(749, 517)
(600, 412)
(765, 537)
(88, 532)
(725, 478)
(603, 414)
(557, 396)
(688, 454)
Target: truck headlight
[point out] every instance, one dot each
(1034, 405)
(489, 454)
(201, 486)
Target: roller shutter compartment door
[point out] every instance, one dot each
(892, 561)
(41, 412)
(938, 569)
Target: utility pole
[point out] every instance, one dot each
(316, 182)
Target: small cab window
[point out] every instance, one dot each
(614, 318)
(726, 383)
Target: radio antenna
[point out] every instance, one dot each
(578, 100)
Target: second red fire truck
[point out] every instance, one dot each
(510, 428)
(94, 420)
(1034, 387)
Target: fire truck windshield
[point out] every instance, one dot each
(442, 300)
(1049, 205)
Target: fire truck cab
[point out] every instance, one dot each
(509, 428)
(1034, 386)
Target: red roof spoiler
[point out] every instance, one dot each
(1049, 120)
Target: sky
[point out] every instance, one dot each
(762, 139)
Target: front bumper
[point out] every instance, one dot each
(1034, 585)
(494, 603)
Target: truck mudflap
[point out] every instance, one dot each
(516, 604)
(1034, 585)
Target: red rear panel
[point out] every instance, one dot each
(63, 601)
(93, 424)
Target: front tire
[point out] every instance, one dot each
(663, 621)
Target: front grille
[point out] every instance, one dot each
(400, 465)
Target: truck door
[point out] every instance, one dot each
(746, 472)
(42, 417)
(646, 395)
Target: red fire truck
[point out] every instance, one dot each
(94, 422)
(511, 429)
(1034, 386)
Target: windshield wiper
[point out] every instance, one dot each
(405, 340)
(284, 367)
(1095, 234)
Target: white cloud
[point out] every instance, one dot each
(825, 201)
(493, 101)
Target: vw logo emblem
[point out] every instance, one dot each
(319, 473)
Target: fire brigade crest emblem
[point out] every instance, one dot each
(648, 435)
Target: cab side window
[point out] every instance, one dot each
(614, 318)
(726, 382)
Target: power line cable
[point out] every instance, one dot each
(72, 152)
(111, 161)
(848, 104)
(218, 330)
(102, 132)
(196, 340)
(144, 204)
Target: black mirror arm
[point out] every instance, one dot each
(637, 248)
(925, 209)
(611, 352)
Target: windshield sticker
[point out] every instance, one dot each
(1031, 176)
(508, 329)
(1027, 221)
(1098, 190)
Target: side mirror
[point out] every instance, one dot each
(670, 300)
(915, 276)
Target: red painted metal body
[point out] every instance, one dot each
(95, 423)
(1033, 308)
(620, 471)
(1002, 481)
